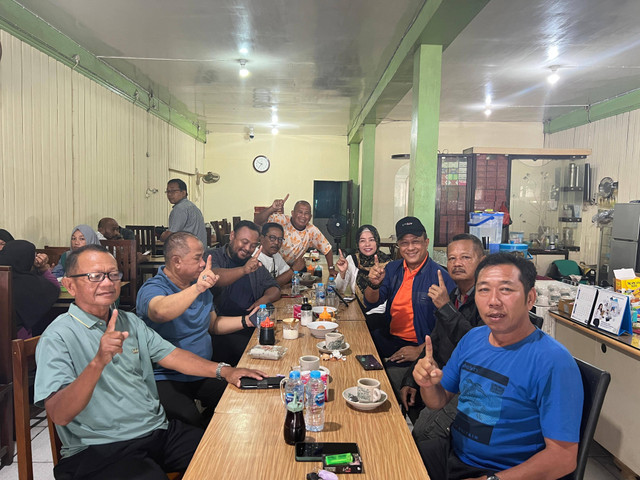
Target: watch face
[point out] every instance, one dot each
(261, 164)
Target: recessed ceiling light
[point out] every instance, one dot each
(552, 52)
(274, 108)
(243, 50)
(274, 131)
(274, 118)
(553, 78)
(244, 72)
(487, 100)
(487, 112)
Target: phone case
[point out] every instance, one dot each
(269, 382)
(369, 362)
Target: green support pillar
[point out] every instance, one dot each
(354, 163)
(368, 165)
(427, 63)
(354, 176)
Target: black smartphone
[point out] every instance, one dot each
(313, 451)
(268, 382)
(369, 362)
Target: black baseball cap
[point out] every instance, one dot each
(409, 225)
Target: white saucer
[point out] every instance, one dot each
(323, 349)
(351, 396)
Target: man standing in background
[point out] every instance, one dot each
(185, 216)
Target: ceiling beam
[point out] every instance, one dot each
(607, 108)
(31, 29)
(438, 23)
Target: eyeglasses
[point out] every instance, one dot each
(273, 238)
(412, 243)
(172, 191)
(97, 277)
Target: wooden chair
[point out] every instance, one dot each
(24, 352)
(145, 237)
(234, 222)
(209, 239)
(6, 375)
(54, 253)
(124, 252)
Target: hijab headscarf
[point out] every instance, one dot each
(33, 295)
(364, 262)
(5, 236)
(90, 236)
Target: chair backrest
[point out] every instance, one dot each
(595, 383)
(124, 252)
(54, 253)
(145, 237)
(6, 374)
(537, 320)
(209, 239)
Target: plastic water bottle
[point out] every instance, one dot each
(332, 299)
(295, 284)
(294, 388)
(314, 414)
(320, 295)
(261, 316)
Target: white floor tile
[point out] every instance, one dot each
(35, 431)
(41, 447)
(596, 471)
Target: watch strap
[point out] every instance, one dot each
(221, 365)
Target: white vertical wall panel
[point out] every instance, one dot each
(72, 151)
(615, 142)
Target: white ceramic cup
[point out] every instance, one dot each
(368, 390)
(334, 341)
(309, 362)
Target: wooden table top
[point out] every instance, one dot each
(247, 421)
(154, 260)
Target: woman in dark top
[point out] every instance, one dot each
(34, 292)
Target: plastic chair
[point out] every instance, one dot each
(595, 383)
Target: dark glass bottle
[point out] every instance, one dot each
(294, 427)
(306, 313)
(267, 332)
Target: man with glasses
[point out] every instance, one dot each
(185, 215)
(272, 238)
(243, 285)
(404, 284)
(95, 378)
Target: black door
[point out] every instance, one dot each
(333, 199)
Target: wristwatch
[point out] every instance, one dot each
(219, 369)
(493, 477)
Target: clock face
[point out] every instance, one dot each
(261, 164)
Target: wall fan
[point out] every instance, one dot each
(337, 227)
(607, 189)
(208, 177)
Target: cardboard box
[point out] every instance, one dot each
(565, 306)
(626, 280)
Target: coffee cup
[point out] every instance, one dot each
(309, 362)
(334, 341)
(368, 390)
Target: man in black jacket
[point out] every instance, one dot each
(456, 314)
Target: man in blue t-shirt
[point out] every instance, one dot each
(521, 394)
(178, 305)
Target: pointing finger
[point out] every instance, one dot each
(208, 267)
(341, 255)
(428, 348)
(285, 198)
(375, 260)
(440, 279)
(111, 326)
(257, 253)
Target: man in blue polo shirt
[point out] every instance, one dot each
(95, 378)
(243, 285)
(521, 394)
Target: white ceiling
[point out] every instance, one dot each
(319, 60)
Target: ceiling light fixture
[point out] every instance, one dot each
(243, 50)
(274, 118)
(274, 108)
(487, 112)
(244, 72)
(487, 100)
(554, 77)
(274, 130)
(552, 52)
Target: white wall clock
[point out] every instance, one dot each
(261, 164)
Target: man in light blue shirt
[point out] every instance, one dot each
(95, 378)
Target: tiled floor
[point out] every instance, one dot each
(600, 466)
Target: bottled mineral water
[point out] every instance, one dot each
(314, 393)
(295, 284)
(261, 316)
(294, 387)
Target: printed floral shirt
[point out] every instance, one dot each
(297, 242)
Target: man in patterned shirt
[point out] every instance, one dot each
(299, 233)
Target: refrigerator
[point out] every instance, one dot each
(625, 238)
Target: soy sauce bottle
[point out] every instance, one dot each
(267, 332)
(294, 427)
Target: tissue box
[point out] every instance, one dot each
(626, 280)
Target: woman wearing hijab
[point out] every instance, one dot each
(354, 270)
(5, 237)
(33, 292)
(81, 235)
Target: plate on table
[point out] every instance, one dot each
(323, 349)
(351, 396)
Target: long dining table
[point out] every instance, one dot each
(245, 440)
